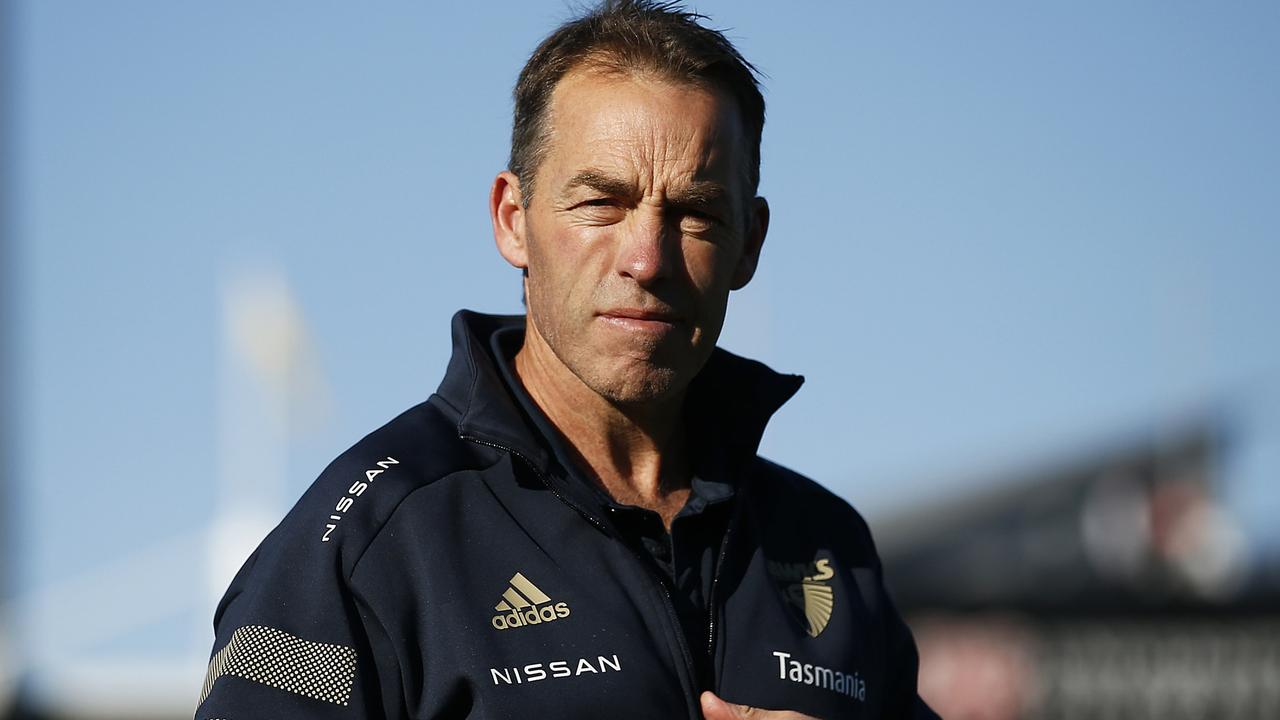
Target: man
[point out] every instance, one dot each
(576, 524)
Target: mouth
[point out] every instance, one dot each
(641, 319)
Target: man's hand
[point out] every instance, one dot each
(713, 708)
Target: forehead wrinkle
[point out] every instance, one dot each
(678, 175)
(640, 154)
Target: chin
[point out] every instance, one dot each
(639, 386)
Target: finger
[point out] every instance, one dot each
(713, 708)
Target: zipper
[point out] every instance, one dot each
(715, 580)
(672, 620)
(711, 596)
(540, 477)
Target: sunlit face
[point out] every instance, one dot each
(640, 224)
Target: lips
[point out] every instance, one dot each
(642, 314)
(641, 319)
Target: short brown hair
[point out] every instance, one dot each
(632, 36)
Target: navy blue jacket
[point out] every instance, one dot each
(441, 568)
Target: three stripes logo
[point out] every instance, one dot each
(524, 604)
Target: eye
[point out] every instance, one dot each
(603, 210)
(600, 202)
(697, 221)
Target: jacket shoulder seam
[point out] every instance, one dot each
(382, 525)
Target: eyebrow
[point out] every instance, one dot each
(698, 193)
(601, 182)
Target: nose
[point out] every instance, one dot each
(645, 252)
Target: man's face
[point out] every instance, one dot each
(640, 225)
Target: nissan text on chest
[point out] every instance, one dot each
(577, 523)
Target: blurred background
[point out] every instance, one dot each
(1027, 256)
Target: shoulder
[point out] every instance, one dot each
(346, 507)
(295, 590)
(790, 498)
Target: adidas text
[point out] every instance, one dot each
(530, 616)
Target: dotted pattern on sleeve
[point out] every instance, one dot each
(287, 662)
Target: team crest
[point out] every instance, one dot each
(807, 590)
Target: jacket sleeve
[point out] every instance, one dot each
(292, 640)
(902, 697)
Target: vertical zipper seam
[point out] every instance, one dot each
(669, 605)
(666, 594)
(715, 581)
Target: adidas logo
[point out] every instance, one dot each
(524, 604)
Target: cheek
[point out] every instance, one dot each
(711, 267)
(558, 272)
(712, 271)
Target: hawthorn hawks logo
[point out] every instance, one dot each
(807, 590)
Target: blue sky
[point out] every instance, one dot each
(1001, 232)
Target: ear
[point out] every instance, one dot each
(753, 240)
(506, 210)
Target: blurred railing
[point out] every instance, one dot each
(1115, 586)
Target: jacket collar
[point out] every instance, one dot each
(729, 402)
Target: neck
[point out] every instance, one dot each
(636, 452)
